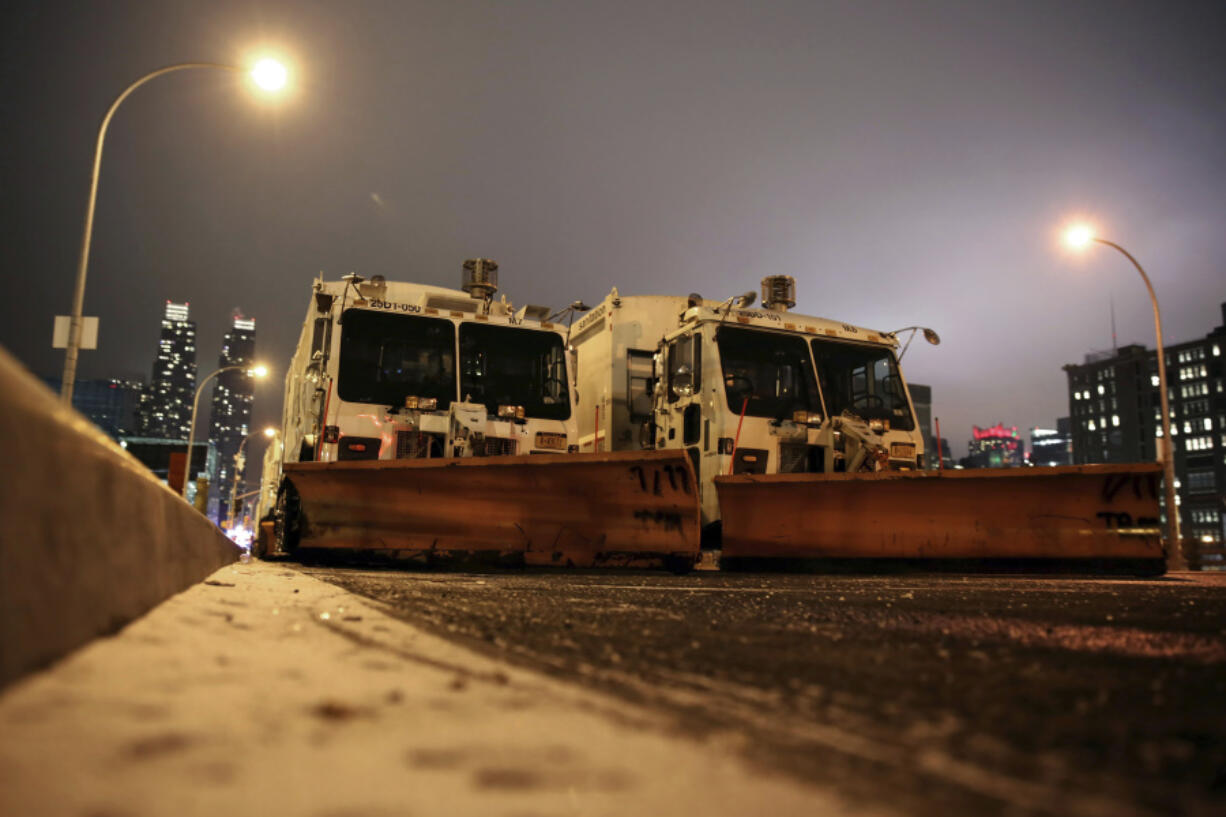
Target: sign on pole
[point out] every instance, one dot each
(89, 332)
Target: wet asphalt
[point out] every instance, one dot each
(928, 694)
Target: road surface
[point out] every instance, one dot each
(932, 694)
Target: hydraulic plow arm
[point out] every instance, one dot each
(1093, 514)
(574, 510)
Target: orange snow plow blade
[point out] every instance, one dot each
(577, 510)
(1093, 516)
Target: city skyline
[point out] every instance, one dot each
(906, 165)
(238, 346)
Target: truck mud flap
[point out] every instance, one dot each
(1088, 517)
(578, 510)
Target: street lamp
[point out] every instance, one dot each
(267, 74)
(253, 371)
(1079, 237)
(268, 432)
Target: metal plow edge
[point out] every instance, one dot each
(1087, 517)
(575, 510)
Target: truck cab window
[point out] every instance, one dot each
(771, 369)
(509, 365)
(385, 358)
(863, 380)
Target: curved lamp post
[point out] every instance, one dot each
(267, 74)
(1080, 237)
(252, 371)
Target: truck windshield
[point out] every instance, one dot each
(386, 358)
(862, 379)
(510, 366)
(772, 369)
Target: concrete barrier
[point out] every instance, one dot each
(89, 538)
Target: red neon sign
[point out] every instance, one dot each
(996, 432)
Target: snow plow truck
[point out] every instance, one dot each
(431, 424)
(805, 442)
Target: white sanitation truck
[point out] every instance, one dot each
(426, 422)
(804, 439)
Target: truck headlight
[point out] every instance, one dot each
(511, 412)
(415, 403)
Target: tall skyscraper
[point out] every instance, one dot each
(1117, 417)
(166, 405)
(230, 420)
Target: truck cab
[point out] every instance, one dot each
(389, 371)
(745, 391)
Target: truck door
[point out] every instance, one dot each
(683, 397)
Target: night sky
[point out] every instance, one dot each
(908, 162)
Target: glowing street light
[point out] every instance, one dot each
(1078, 237)
(267, 74)
(258, 372)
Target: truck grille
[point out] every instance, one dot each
(495, 447)
(792, 458)
(800, 458)
(411, 445)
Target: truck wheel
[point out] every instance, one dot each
(287, 519)
(679, 565)
(259, 544)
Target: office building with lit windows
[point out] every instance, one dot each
(111, 403)
(1052, 446)
(166, 405)
(230, 418)
(1116, 416)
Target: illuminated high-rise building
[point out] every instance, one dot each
(166, 404)
(230, 419)
(1116, 410)
(995, 447)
